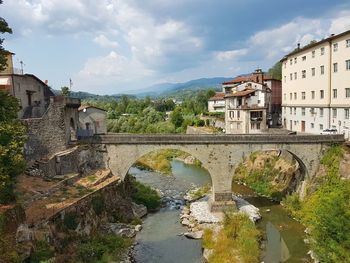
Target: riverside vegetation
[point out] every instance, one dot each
(326, 210)
(237, 241)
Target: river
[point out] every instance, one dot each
(160, 240)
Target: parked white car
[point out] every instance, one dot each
(329, 131)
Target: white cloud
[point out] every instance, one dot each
(103, 41)
(231, 54)
(341, 23)
(113, 65)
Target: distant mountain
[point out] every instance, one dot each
(168, 89)
(174, 90)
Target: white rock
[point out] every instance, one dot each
(194, 235)
(138, 228)
(245, 207)
(200, 211)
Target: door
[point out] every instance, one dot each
(302, 126)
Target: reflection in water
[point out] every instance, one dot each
(276, 249)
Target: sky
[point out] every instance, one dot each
(120, 46)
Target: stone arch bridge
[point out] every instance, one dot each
(219, 154)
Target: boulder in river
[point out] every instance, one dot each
(194, 235)
(139, 210)
(245, 207)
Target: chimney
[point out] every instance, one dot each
(298, 45)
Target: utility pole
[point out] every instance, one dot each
(70, 84)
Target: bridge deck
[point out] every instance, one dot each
(115, 138)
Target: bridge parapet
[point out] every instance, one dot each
(114, 138)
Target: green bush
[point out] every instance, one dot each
(70, 221)
(98, 204)
(42, 252)
(145, 195)
(102, 248)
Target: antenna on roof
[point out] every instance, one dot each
(22, 66)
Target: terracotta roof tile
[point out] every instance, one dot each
(240, 93)
(218, 96)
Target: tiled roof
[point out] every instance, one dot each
(218, 96)
(246, 78)
(240, 93)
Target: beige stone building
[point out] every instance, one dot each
(32, 93)
(316, 86)
(246, 108)
(92, 120)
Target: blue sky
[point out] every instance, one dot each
(115, 46)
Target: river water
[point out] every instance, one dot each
(160, 240)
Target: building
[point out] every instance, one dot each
(217, 102)
(92, 120)
(316, 86)
(32, 93)
(274, 111)
(246, 108)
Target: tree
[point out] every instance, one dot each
(176, 117)
(12, 138)
(65, 91)
(4, 28)
(276, 71)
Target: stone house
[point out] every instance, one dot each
(246, 108)
(274, 112)
(32, 93)
(217, 102)
(92, 120)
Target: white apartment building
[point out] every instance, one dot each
(316, 86)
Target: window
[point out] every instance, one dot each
(347, 92)
(312, 111)
(258, 125)
(313, 71)
(291, 76)
(335, 47)
(290, 96)
(321, 127)
(335, 67)
(321, 112)
(322, 70)
(295, 75)
(303, 95)
(285, 96)
(348, 43)
(313, 94)
(295, 95)
(295, 60)
(290, 110)
(334, 113)
(312, 125)
(303, 111)
(303, 74)
(291, 61)
(335, 93)
(295, 123)
(347, 64)
(346, 114)
(321, 94)
(322, 51)
(238, 114)
(295, 111)
(303, 58)
(232, 114)
(313, 54)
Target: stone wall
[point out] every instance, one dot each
(52, 132)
